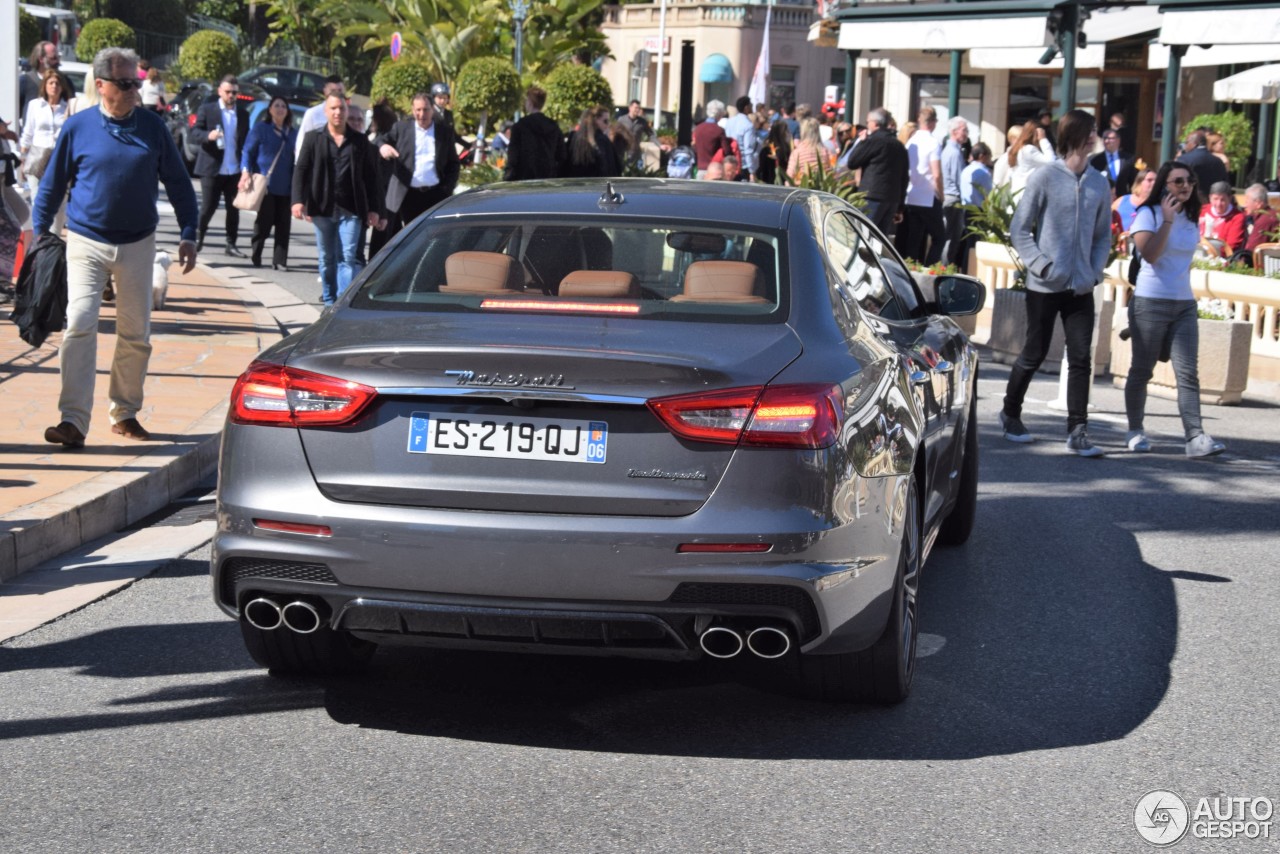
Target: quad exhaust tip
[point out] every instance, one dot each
(721, 642)
(769, 642)
(301, 617)
(763, 642)
(263, 614)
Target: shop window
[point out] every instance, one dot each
(934, 91)
(782, 85)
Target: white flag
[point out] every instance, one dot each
(759, 91)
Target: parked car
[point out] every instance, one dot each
(295, 85)
(640, 418)
(260, 107)
(76, 74)
(181, 116)
(60, 26)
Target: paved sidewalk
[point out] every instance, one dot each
(53, 499)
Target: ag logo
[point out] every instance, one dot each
(1161, 817)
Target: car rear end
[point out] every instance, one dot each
(576, 433)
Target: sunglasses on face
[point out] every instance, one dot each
(1182, 182)
(124, 84)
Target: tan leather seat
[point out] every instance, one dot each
(720, 281)
(481, 273)
(604, 284)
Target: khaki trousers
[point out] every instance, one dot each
(88, 265)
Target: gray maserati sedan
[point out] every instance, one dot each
(655, 418)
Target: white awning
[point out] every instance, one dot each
(1257, 25)
(1094, 56)
(944, 34)
(1120, 22)
(1227, 54)
(1259, 85)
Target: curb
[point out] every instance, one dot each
(117, 499)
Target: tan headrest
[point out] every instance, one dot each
(720, 281)
(598, 283)
(481, 273)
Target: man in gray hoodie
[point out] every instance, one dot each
(1062, 232)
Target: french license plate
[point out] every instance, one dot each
(508, 438)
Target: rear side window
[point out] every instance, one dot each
(620, 269)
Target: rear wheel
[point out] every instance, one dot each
(324, 652)
(883, 672)
(958, 525)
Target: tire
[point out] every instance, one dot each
(958, 525)
(323, 652)
(883, 672)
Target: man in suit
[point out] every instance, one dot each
(1207, 168)
(537, 144)
(221, 126)
(425, 164)
(1115, 165)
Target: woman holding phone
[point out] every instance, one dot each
(1162, 313)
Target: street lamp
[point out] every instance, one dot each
(519, 13)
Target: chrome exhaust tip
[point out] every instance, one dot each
(769, 642)
(301, 617)
(721, 642)
(263, 614)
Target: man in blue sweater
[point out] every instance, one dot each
(110, 158)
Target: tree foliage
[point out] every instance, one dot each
(209, 54)
(1236, 130)
(100, 33)
(488, 83)
(398, 81)
(572, 89)
(28, 32)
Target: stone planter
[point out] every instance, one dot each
(1009, 332)
(1223, 363)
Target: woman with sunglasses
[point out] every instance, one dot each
(1162, 313)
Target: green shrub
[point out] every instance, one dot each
(398, 80)
(209, 54)
(100, 33)
(572, 89)
(487, 83)
(1237, 134)
(28, 32)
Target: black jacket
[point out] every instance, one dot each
(1208, 169)
(1126, 174)
(314, 173)
(536, 149)
(403, 137)
(884, 164)
(603, 165)
(209, 117)
(40, 303)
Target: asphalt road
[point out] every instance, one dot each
(1109, 630)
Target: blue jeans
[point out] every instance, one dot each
(337, 242)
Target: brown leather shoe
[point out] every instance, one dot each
(131, 429)
(65, 433)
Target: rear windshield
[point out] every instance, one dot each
(641, 270)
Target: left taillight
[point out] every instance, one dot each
(783, 416)
(278, 396)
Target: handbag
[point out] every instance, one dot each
(250, 199)
(37, 162)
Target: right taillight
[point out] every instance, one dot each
(784, 416)
(277, 396)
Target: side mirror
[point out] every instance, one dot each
(960, 295)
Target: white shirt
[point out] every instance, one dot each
(1169, 277)
(230, 160)
(1030, 158)
(424, 157)
(922, 151)
(43, 123)
(312, 119)
(151, 93)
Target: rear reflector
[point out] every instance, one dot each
(273, 395)
(561, 306)
(788, 416)
(293, 527)
(729, 548)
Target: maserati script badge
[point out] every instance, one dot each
(508, 380)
